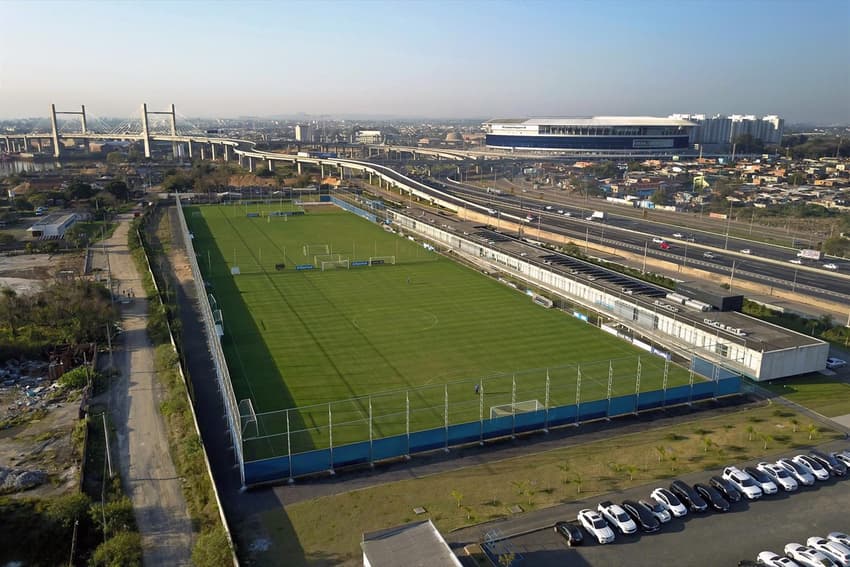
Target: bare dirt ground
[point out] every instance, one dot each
(147, 471)
(27, 273)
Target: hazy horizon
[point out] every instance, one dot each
(438, 60)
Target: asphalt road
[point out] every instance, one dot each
(704, 539)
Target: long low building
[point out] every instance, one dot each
(625, 134)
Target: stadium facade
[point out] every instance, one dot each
(627, 135)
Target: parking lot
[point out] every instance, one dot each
(704, 539)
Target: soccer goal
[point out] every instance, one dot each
(313, 249)
(377, 260)
(248, 417)
(319, 258)
(335, 264)
(511, 409)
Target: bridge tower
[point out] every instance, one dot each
(55, 130)
(146, 135)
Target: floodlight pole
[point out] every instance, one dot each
(664, 381)
(546, 407)
(513, 407)
(691, 383)
(331, 438)
(637, 386)
(610, 387)
(407, 420)
(289, 448)
(578, 393)
(371, 438)
(446, 416)
(481, 412)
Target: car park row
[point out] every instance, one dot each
(720, 493)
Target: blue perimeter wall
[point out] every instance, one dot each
(321, 460)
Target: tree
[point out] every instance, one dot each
(674, 458)
(631, 469)
(577, 478)
(122, 550)
(458, 497)
(79, 190)
(113, 517)
(118, 189)
(212, 549)
(565, 469)
(751, 432)
(813, 431)
(661, 451)
(76, 236)
(506, 559)
(659, 197)
(766, 439)
(795, 424)
(707, 443)
(115, 158)
(65, 510)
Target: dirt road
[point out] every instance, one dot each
(147, 471)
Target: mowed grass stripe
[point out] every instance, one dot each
(309, 338)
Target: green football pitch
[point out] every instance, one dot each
(398, 341)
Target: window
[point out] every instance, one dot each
(721, 349)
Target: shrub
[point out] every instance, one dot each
(75, 379)
(123, 550)
(212, 549)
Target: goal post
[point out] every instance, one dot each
(248, 416)
(512, 409)
(313, 249)
(377, 260)
(334, 264)
(319, 258)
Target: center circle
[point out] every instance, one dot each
(395, 320)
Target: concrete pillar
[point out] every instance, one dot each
(146, 137)
(212, 151)
(270, 165)
(250, 164)
(190, 149)
(370, 178)
(54, 131)
(203, 151)
(298, 163)
(85, 129)
(323, 170)
(26, 144)
(226, 148)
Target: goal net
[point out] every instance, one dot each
(334, 264)
(377, 260)
(312, 249)
(511, 409)
(248, 418)
(319, 258)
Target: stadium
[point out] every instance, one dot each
(626, 135)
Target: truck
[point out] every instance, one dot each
(810, 254)
(597, 215)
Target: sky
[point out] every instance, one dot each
(428, 59)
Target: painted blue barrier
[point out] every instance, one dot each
(352, 209)
(622, 405)
(320, 460)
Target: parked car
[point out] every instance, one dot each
(764, 481)
(830, 266)
(570, 532)
(669, 501)
(712, 496)
(595, 526)
(830, 463)
(617, 517)
(770, 559)
(832, 549)
(840, 537)
(726, 488)
(642, 516)
(688, 495)
(779, 476)
(657, 240)
(843, 457)
(743, 482)
(658, 510)
(807, 556)
(800, 473)
(833, 363)
(814, 467)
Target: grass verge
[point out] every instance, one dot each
(477, 494)
(826, 395)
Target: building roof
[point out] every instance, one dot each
(417, 544)
(596, 121)
(53, 219)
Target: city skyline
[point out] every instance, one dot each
(430, 59)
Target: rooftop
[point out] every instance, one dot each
(595, 121)
(417, 544)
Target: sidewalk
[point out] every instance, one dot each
(147, 471)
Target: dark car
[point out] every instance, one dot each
(712, 496)
(569, 532)
(830, 463)
(688, 495)
(726, 488)
(642, 516)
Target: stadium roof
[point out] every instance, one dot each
(417, 544)
(596, 121)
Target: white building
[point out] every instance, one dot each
(720, 131)
(53, 226)
(418, 544)
(368, 137)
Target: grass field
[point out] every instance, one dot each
(419, 331)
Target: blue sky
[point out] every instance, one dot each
(476, 59)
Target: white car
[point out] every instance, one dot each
(657, 240)
(669, 501)
(677, 235)
(660, 511)
(839, 537)
(813, 466)
(843, 457)
(779, 475)
(795, 261)
(830, 266)
(745, 484)
(568, 214)
(770, 559)
(832, 549)
(833, 363)
(746, 251)
(615, 515)
(595, 526)
(560, 211)
(548, 207)
(807, 556)
(799, 472)
(708, 255)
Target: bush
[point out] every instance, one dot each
(114, 517)
(65, 509)
(123, 550)
(212, 549)
(75, 379)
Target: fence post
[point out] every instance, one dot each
(716, 380)
(637, 386)
(407, 420)
(331, 437)
(481, 413)
(371, 460)
(513, 407)
(289, 448)
(691, 383)
(445, 414)
(578, 394)
(610, 388)
(664, 382)
(546, 402)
